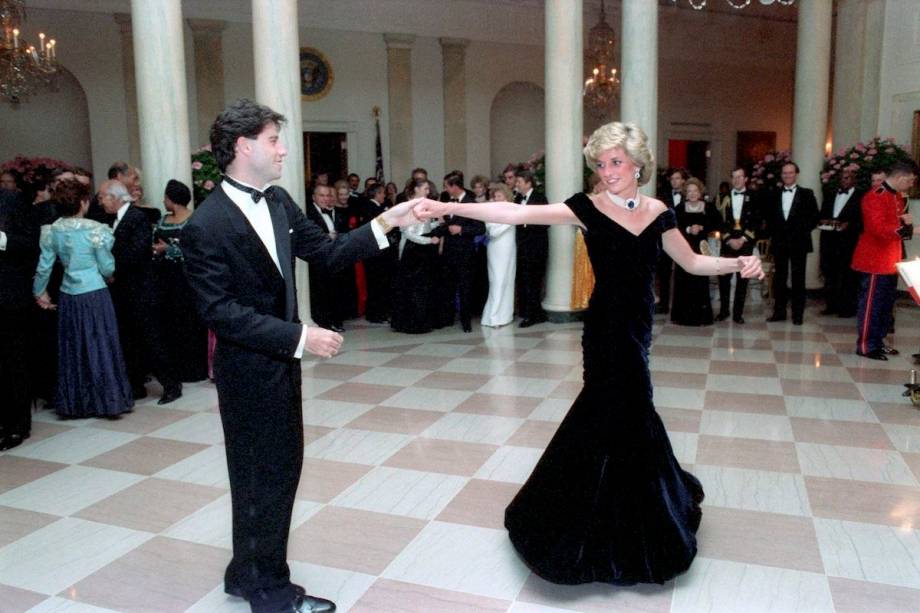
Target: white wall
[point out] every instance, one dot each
(517, 118)
(900, 78)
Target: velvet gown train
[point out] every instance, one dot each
(608, 501)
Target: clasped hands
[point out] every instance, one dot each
(751, 267)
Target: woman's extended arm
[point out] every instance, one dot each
(499, 212)
(704, 265)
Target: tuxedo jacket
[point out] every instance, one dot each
(532, 240)
(792, 235)
(750, 225)
(470, 229)
(133, 257)
(851, 213)
(243, 297)
(317, 217)
(19, 259)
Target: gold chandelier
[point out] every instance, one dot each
(699, 5)
(603, 85)
(24, 69)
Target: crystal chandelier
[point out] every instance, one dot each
(23, 67)
(602, 87)
(736, 4)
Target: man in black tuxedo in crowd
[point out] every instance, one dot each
(791, 213)
(677, 177)
(739, 237)
(841, 224)
(532, 252)
(239, 249)
(18, 258)
(326, 288)
(378, 268)
(459, 234)
(134, 295)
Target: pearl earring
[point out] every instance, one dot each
(638, 174)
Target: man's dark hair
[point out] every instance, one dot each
(69, 195)
(369, 181)
(525, 174)
(790, 163)
(374, 189)
(511, 166)
(118, 168)
(683, 172)
(454, 178)
(903, 168)
(418, 170)
(353, 174)
(741, 168)
(178, 192)
(242, 118)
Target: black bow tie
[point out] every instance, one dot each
(675, 193)
(843, 191)
(455, 200)
(326, 213)
(253, 192)
(788, 189)
(737, 193)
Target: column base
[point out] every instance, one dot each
(564, 317)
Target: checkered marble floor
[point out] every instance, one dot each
(809, 456)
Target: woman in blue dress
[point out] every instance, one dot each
(92, 380)
(608, 501)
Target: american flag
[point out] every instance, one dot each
(378, 147)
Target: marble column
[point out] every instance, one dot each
(453, 54)
(639, 85)
(848, 72)
(872, 69)
(159, 61)
(564, 119)
(276, 46)
(809, 121)
(130, 86)
(399, 102)
(207, 38)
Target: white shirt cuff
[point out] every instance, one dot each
(382, 241)
(298, 354)
(2, 241)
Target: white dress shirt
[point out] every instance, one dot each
(120, 214)
(737, 203)
(675, 197)
(787, 200)
(841, 201)
(329, 220)
(2, 241)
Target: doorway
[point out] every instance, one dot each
(690, 154)
(324, 152)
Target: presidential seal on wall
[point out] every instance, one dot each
(315, 74)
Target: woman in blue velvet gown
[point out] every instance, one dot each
(608, 501)
(92, 380)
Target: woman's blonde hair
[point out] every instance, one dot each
(500, 187)
(626, 136)
(699, 185)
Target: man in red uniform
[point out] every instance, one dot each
(886, 223)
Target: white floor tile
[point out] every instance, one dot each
(207, 467)
(75, 446)
(829, 408)
(754, 490)
(511, 464)
(472, 428)
(520, 386)
(68, 490)
(358, 446)
(869, 552)
(332, 413)
(427, 399)
(397, 491)
(204, 428)
(746, 425)
(854, 463)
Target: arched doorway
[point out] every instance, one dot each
(52, 124)
(517, 118)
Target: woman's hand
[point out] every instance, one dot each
(159, 247)
(434, 240)
(43, 300)
(750, 267)
(402, 214)
(427, 208)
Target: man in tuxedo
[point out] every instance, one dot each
(532, 251)
(790, 214)
(841, 223)
(418, 174)
(325, 290)
(739, 235)
(18, 258)
(886, 224)
(677, 177)
(459, 234)
(354, 182)
(239, 249)
(134, 296)
(378, 268)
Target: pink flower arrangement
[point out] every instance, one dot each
(205, 174)
(32, 169)
(864, 158)
(766, 172)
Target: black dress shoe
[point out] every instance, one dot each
(170, 394)
(10, 441)
(308, 604)
(876, 354)
(467, 328)
(738, 319)
(888, 350)
(526, 323)
(337, 328)
(797, 321)
(721, 316)
(776, 317)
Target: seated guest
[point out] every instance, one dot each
(416, 271)
(92, 380)
(695, 220)
(502, 252)
(184, 335)
(18, 254)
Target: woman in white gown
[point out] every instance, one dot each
(502, 256)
